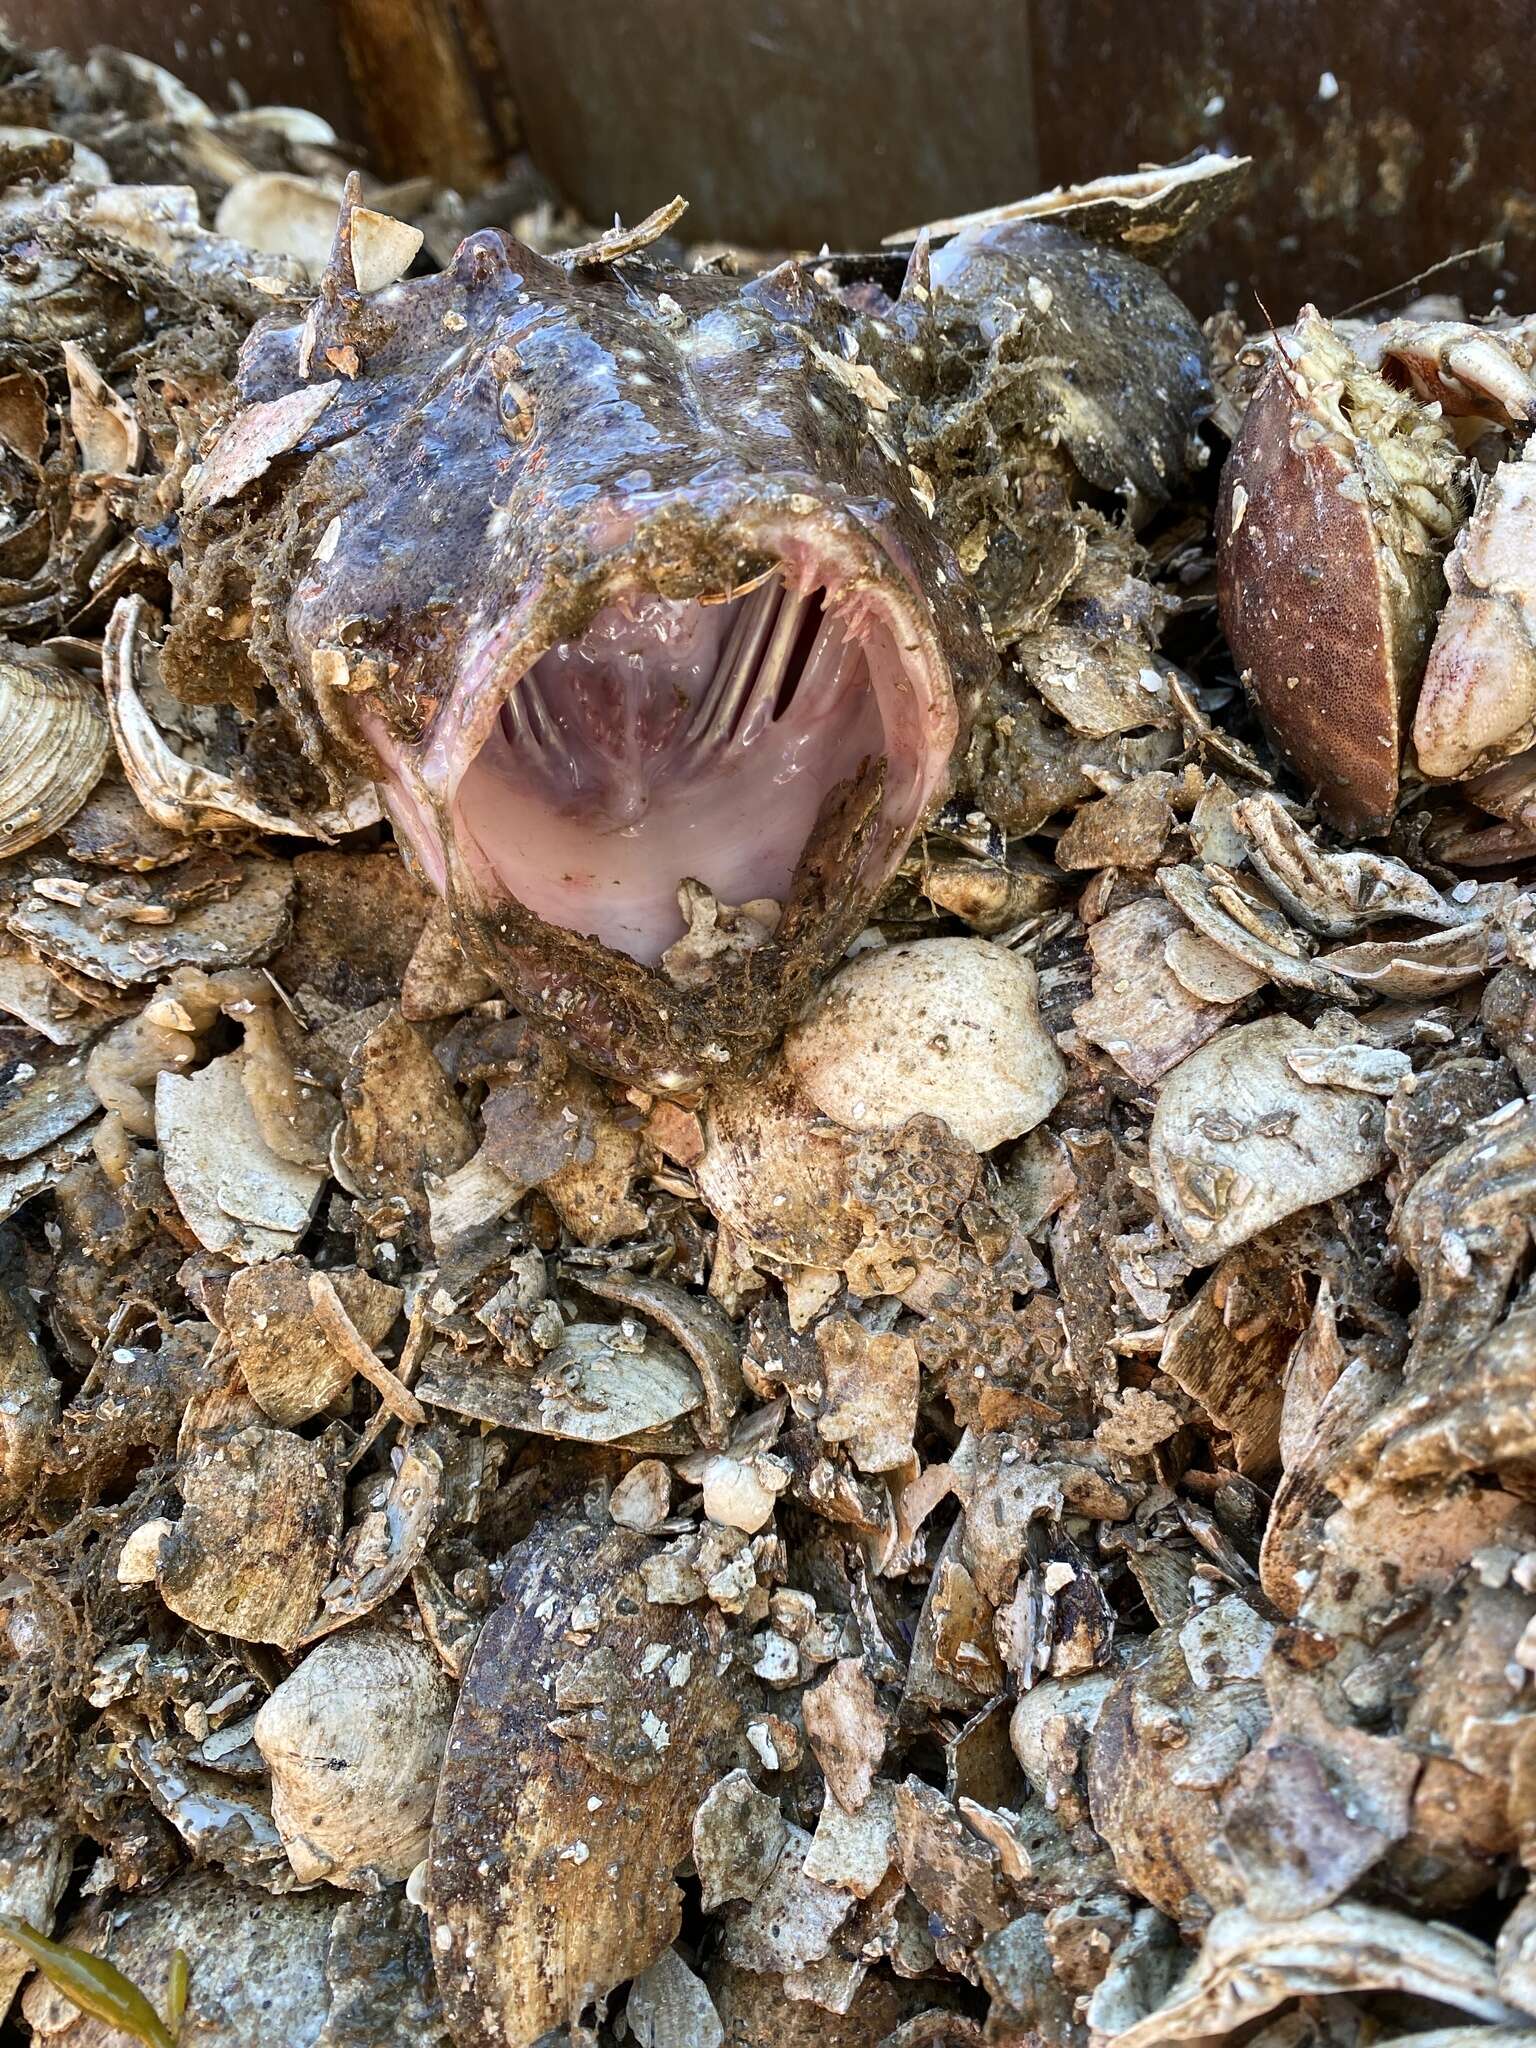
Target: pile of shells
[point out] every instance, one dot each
(1013, 1519)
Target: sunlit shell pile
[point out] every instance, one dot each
(1014, 1522)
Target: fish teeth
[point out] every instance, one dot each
(720, 707)
(769, 679)
(530, 725)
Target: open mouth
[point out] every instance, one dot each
(693, 740)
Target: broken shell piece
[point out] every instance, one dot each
(70, 934)
(1334, 498)
(38, 999)
(668, 2007)
(1150, 212)
(220, 1822)
(846, 1729)
(643, 1496)
(139, 1559)
(35, 1859)
(1238, 1141)
(291, 1368)
(383, 248)
(179, 793)
(281, 215)
(256, 1542)
(354, 1739)
(1166, 1740)
(1143, 1012)
(1336, 892)
(263, 1969)
(776, 1173)
(54, 744)
(739, 1834)
(235, 1193)
(387, 1542)
(1228, 1347)
(871, 1393)
(1367, 1069)
(985, 894)
(1246, 1966)
(42, 1102)
(29, 1400)
(1478, 703)
(853, 1851)
(403, 1116)
(257, 437)
(739, 1492)
(604, 1381)
(790, 1922)
(572, 1777)
(941, 1027)
(695, 1322)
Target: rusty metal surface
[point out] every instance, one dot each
(1385, 136)
(286, 52)
(786, 122)
(423, 72)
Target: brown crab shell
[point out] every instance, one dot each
(1328, 581)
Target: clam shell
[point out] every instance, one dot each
(54, 743)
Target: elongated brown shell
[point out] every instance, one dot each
(54, 742)
(1334, 498)
(591, 1723)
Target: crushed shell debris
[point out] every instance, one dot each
(1011, 1520)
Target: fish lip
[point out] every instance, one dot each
(764, 525)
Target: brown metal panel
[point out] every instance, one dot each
(785, 122)
(1386, 136)
(427, 104)
(282, 52)
(417, 82)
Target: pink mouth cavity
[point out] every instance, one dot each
(678, 740)
(684, 739)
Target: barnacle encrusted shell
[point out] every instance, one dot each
(1478, 704)
(592, 1721)
(54, 742)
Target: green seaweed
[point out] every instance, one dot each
(100, 1988)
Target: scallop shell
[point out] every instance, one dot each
(54, 743)
(354, 1739)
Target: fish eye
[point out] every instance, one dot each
(515, 404)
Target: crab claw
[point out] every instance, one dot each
(1470, 372)
(1478, 703)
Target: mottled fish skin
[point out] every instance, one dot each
(512, 443)
(517, 441)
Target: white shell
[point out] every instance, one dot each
(943, 1027)
(86, 166)
(281, 215)
(54, 743)
(1239, 1141)
(181, 794)
(354, 1740)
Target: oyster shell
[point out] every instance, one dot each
(354, 1738)
(54, 743)
(619, 1740)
